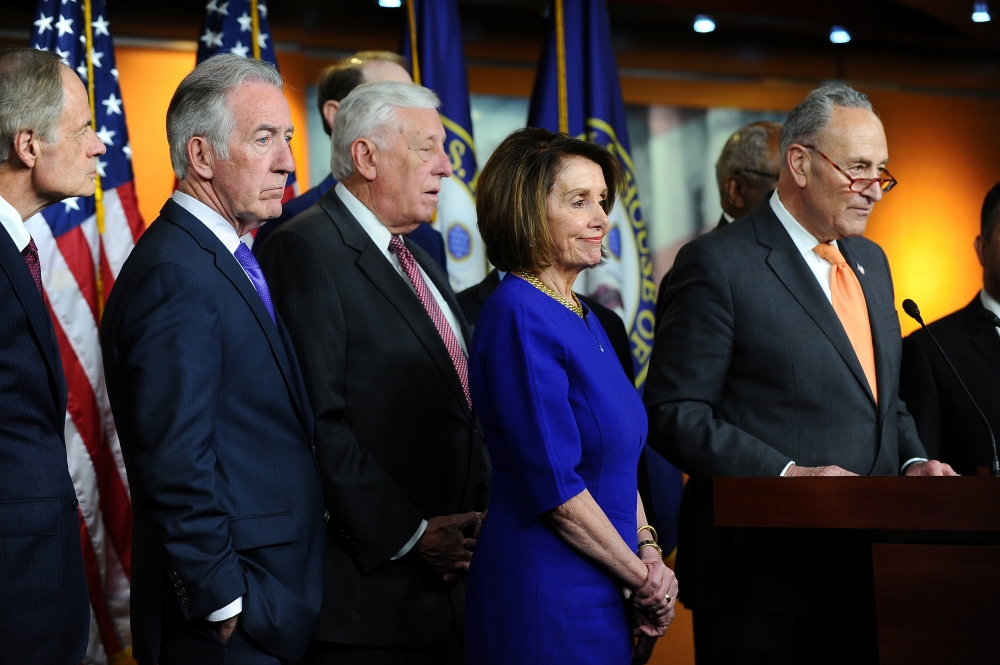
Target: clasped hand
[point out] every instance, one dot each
(444, 546)
(654, 610)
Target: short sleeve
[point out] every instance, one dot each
(524, 375)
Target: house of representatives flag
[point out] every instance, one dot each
(432, 41)
(577, 91)
(241, 27)
(82, 244)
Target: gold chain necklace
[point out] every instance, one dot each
(573, 306)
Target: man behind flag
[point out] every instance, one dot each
(432, 41)
(82, 243)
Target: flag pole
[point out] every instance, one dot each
(98, 192)
(255, 31)
(561, 68)
(411, 16)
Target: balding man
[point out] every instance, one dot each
(746, 171)
(779, 355)
(384, 351)
(335, 83)
(48, 152)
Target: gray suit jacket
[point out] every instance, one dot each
(752, 369)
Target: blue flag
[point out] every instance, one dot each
(438, 63)
(577, 92)
(232, 26)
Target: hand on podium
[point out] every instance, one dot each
(794, 470)
(929, 468)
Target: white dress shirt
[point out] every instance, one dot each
(11, 220)
(806, 243)
(226, 234)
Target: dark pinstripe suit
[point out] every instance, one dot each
(45, 614)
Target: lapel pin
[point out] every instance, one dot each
(861, 269)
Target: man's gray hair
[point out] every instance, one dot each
(31, 95)
(811, 116)
(746, 149)
(199, 106)
(367, 112)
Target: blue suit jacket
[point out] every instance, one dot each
(45, 613)
(424, 235)
(216, 433)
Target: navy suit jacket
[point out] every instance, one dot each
(429, 240)
(216, 434)
(45, 613)
(751, 369)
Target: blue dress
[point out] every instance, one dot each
(559, 416)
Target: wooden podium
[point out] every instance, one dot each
(935, 552)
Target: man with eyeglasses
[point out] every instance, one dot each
(779, 355)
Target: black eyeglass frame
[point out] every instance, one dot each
(885, 184)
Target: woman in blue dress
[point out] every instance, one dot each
(559, 574)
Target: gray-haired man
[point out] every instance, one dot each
(48, 152)
(215, 426)
(779, 354)
(383, 344)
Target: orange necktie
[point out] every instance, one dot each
(849, 304)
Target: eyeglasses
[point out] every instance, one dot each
(858, 185)
(761, 174)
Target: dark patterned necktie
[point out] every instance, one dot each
(409, 264)
(30, 255)
(252, 268)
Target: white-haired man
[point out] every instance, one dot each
(216, 430)
(48, 152)
(383, 345)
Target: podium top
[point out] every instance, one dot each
(964, 503)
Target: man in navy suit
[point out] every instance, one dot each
(205, 388)
(48, 152)
(335, 83)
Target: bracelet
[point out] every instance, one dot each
(649, 543)
(648, 527)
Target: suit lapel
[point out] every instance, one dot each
(789, 266)
(372, 262)
(230, 267)
(12, 263)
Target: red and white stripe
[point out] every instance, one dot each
(70, 266)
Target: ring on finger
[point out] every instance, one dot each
(667, 598)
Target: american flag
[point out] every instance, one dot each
(82, 244)
(241, 27)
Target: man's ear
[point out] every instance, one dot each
(980, 245)
(201, 157)
(27, 147)
(365, 158)
(734, 188)
(330, 108)
(798, 160)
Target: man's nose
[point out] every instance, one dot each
(444, 164)
(285, 162)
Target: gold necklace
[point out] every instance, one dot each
(573, 306)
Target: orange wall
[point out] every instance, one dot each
(148, 78)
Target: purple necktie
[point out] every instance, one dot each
(30, 255)
(252, 268)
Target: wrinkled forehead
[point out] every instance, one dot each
(855, 134)
(255, 103)
(416, 125)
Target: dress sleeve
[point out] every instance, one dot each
(525, 375)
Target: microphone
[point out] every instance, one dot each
(989, 317)
(913, 312)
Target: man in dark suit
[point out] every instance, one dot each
(207, 396)
(948, 424)
(48, 152)
(746, 172)
(383, 345)
(335, 83)
(779, 354)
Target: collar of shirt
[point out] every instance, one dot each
(805, 242)
(990, 303)
(11, 220)
(729, 218)
(215, 222)
(375, 229)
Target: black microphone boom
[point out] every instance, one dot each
(913, 312)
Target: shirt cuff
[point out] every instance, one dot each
(227, 612)
(787, 467)
(412, 541)
(902, 469)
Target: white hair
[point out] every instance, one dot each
(199, 106)
(367, 112)
(811, 116)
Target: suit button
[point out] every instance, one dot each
(178, 583)
(185, 599)
(172, 575)
(326, 515)
(75, 504)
